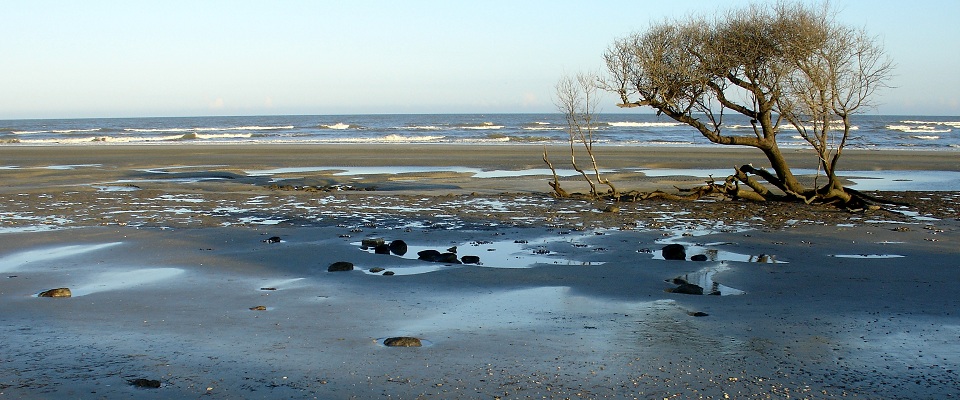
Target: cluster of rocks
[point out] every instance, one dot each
(678, 252)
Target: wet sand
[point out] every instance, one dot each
(164, 249)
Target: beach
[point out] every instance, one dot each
(205, 268)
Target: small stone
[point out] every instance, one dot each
(340, 266)
(144, 383)
(367, 243)
(402, 341)
(688, 288)
(268, 288)
(274, 239)
(389, 273)
(376, 270)
(674, 252)
(398, 247)
(258, 308)
(58, 292)
(470, 259)
(698, 257)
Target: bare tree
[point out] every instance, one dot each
(577, 100)
(778, 64)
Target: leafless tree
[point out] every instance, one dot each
(576, 98)
(780, 64)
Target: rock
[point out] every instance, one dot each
(470, 259)
(428, 255)
(389, 273)
(699, 257)
(268, 288)
(274, 239)
(452, 249)
(674, 252)
(398, 247)
(258, 308)
(382, 248)
(58, 292)
(402, 341)
(447, 258)
(340, 266)
(697, 314)
(611, 209)
(367, 243)
(687, 288)
(376, 270)
(144, 383)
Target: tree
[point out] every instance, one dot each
(576, 98)
(778, 64)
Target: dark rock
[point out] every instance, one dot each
(470, 259)
(398, 247)
(144, 383)
(376, 270)
(274, 239)
(697, 314)
(447, 258)
(428, 255)
(402, 341)
(674, 252)
(389, 273)
(698, 257)
(58, 292)
(452, 249)
(688, 288)
(382, 248)
(367, 243)
(340, 266)
(268, 288)
(258, 308)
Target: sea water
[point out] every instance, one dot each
(623, 129)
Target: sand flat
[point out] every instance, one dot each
(583, 310)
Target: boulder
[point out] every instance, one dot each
(447, 258)
(698, 257)
(470, 259)
(382, 248)
(58, 292)
(674, 252)
(398, 247)
(402, 341)
(428, 255)
(340, 266)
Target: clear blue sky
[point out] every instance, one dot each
(175, 58)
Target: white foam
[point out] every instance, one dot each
(630, 124)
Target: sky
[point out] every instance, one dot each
(78, 59)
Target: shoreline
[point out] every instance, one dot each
(482, 155)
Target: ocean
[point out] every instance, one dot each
(622, 129)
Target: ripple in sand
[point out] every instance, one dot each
(125, 279)
(17, 260)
